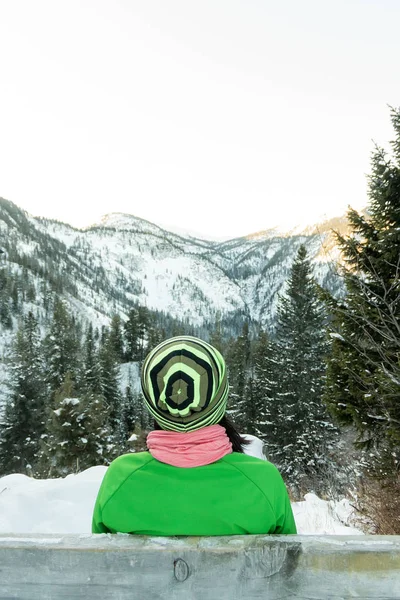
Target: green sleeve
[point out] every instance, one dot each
(117, 473)
(285, 519)
(102, 496)
(97, 524)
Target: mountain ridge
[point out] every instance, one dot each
(276, 231)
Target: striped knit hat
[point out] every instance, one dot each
(185, 385)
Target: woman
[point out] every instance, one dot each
(195, 479)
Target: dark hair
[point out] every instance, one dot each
(238, 442)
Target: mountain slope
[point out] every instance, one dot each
(123, 260)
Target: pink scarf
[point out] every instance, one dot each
(194, 449)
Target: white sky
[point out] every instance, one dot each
(219, 116)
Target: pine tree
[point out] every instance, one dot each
(116, 337)
(363, 378)
(23, 422)
(144, 420)
(302, 433)
(128, 414)
(264, 423)
(135, 418)
(76, 436)
(238, 360)
(216, 337)
(91, 372)
(141, 334)
(62, 347)
(110, 391)
(156, 335)
(5, 310)
(143, 321)
(131, 331)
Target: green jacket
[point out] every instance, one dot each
(238, 494)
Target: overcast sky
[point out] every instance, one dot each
(220, 116)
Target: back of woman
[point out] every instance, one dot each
(195, 478)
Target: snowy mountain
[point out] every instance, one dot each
(123, 260)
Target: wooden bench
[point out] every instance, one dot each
(123, 567)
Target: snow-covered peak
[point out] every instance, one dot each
(126, 222)
(265, 234)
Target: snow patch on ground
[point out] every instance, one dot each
(314, 516)
(64, 505)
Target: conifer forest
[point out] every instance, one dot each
(309, 325)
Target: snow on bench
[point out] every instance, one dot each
(123, 567)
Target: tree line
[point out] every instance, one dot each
(66, 410)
